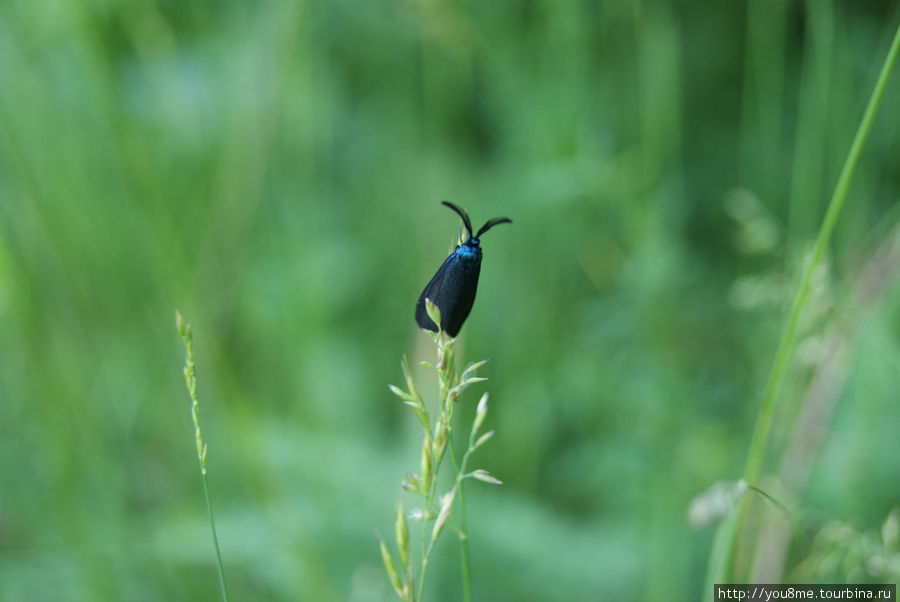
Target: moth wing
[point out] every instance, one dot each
(452, 289)
(436, 290)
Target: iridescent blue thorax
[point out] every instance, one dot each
(469, 250)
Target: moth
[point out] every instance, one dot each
(452, 288)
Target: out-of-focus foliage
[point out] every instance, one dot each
(274, 170)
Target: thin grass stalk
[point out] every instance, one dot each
(463, 529)
(435, 513)
(723, 548)
(212, 526)
(464, 545)
(445, 366)
(446, 383)
(190, 378)
(785, 347)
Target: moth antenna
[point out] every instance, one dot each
(462, 213)
(491, 223)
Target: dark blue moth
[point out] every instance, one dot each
(452, 289)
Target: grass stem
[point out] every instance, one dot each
(720, 569)
(463, 529)
(464, 546)
(782, 355)
(215, 537)
(439, 439)
(190, 378)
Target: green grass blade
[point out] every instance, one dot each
(190, 377)
(719, 569)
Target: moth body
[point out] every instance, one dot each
(452, 288)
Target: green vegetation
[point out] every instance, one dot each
(438, 434)
(190, 379)
(274, 170)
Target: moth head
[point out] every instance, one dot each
(473, 239)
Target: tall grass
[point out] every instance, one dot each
(190, 378)
(721, 569)
(437, 510)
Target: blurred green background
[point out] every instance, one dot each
(275, 169)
